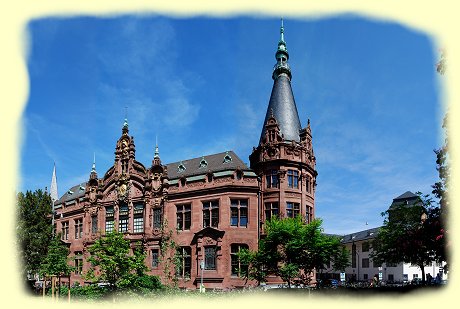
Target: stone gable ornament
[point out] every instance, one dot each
(123, 187)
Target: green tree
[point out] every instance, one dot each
(407, 235)
(34, 228)
(438, 217)
(111, 254)
(293, 249)
(56, 260)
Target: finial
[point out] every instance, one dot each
(93, 169)
(282, 30)
(157, 152)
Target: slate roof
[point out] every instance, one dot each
(361, 235)
(215, 163)
(73, 193)
(407, 198)
(284, 109)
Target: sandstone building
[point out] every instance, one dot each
(211, 206)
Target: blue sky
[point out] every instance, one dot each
(202, 85)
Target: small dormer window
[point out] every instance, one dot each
(181, 168)
(227, 158)
(82, 188)
(203, 163)
(70, 192)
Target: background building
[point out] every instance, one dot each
(362, 268)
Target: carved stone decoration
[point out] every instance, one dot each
(156, 182)
(123, 186)
(93, 194)
(208, 241)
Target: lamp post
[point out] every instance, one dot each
(201, 285)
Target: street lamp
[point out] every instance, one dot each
(201, 285)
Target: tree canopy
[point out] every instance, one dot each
(56, 260)
(34, 228)
(408, 234)
(117, 266)
(292, 249)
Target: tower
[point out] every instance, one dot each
(284, 159)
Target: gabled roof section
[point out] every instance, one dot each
(361, 235)
(407, 198)
(406, 195)
(214, 163)
(73, 193)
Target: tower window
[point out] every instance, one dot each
(292, 209)
(271, 210)
(272, 179)
(293, 178)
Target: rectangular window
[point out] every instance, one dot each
(365, 262)
(238, 212)
(293, 178)
(376, 265)
(391, 277)
(209, 258)
(211, 214)
(292, 209)
(65, 230)
(308, 214)
(353, 256)
(94, 224)
(237, 267)
(157, 218)
(109, 217)
(272, 179)
(365, 246)
(184, 265)
(271, 210)
(78, 262)
(123, 219)
(138, 220)
(391, 264)
(184, 217)
(155, 257)
(78, 228)
(366, 276)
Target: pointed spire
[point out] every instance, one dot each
(125, 124)
(282, 105)
(93, 168)
(53, 188)
(157, 152)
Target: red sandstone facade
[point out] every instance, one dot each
(209, 207)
